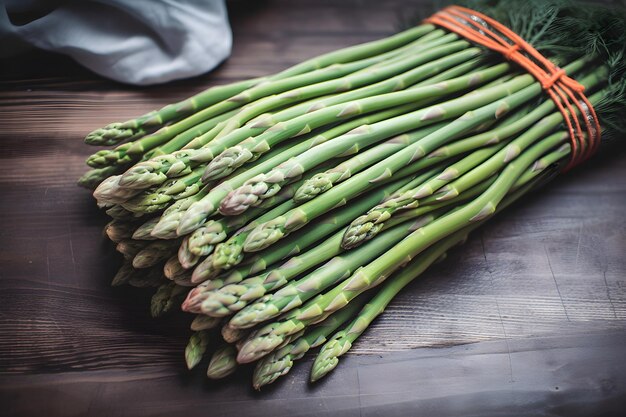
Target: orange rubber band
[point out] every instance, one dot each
(564, 91)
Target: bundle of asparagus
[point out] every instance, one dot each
(381, 156)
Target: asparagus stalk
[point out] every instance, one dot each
(196, 347)
(297, 292)
(256, 92)
(355, 236)
(147, 278)
(171, 217)
(117, 230)
(392, 84)
(185, 257)
(173, 269)
(124, 274)
(167, 298)
(169, 221)
(143, 231)
(92, 178)
(368, 49)
(256, 189)
(514, 93)
(130, 248)
(130, 152)
(342, 341)
(154, 253)
(140, 278)
(203, 240)
(267, 338)
(280, 362)
(229, 253)
(110, 192)
(232, 335)
(251, 149)
(115, 133)
(207, 203)
(118, 212)
(408, 78)
(255, 287)
(319, 183)
(289, 247)
(158, 169)
(375, 218)
(151, 201)
(202, 322)
(223, 362)
(338, 90)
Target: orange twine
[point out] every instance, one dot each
(562, 89)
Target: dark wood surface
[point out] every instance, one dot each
(527, 318)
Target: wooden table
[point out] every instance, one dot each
(527, 318)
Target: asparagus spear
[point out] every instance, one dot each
(143, 231)
(280, 362)
(341, 342)
(151, 201)
(173, 269)
(250, 149)
(123, 275)
(158, 169)
(232, 335)
(292, 97)
(353, 53)
(256, 189)
(240, 291)
(154, 253)
(368, 230)
(225, 256)
(118, 212)
(265, 339)
(297, 292)
(115, 133)
(92, 178)
(171, 217)
(319, 183)
(289, 247)
(118, 230)
(147, 278)
(202, 322)
(140, 278)
(203, 240)
(228, 254)
(185, 257)
(514, 94)
(196, 347)
(110, 192)
(223, 362)
(129, 248)
(131, 152)
(257, 91)
(408, 78)
(207, 203)
(167, 298)
(398, 82)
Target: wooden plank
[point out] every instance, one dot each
(551, 265)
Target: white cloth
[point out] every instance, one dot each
(133, 41)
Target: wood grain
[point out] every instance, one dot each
(552, 265)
